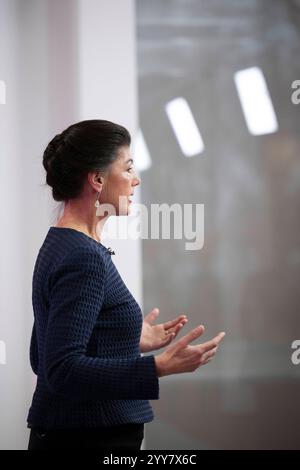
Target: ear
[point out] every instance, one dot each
(99, 179)
(96, 180)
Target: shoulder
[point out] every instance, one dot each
(81, 261)
(86, 254)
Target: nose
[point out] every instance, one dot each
(137, 180)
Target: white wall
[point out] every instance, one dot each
(62, 61)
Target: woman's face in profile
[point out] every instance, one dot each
(120, 183)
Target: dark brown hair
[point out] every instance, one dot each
(85, 146)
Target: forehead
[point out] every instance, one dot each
(124, 156)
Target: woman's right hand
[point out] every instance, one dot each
(180, 357)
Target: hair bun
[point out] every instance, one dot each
(51, 159)
(51, 151)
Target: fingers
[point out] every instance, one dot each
(209, 355)
(177, 328)
(206, 362)
(206, 358)
(171, 323)
(168, 339)
(172, 333)
(189, 337)
(211, 344)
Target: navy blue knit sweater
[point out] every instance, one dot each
(85, 339)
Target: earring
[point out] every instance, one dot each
(97, 204)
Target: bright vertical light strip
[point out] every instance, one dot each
(142, 159)
(185, 127)
(2, 353)
(256, 101)
(2, 92)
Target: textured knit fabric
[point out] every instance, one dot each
(85, 339)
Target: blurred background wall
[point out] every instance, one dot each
(61, 61)
(208, 83)
(246, 278)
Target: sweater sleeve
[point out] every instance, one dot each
(76, 298)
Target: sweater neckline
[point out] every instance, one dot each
(81, 233)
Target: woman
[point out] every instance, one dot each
(93, 384)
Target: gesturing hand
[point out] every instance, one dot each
(182, 357)
(157, 336)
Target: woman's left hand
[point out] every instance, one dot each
(157, 336)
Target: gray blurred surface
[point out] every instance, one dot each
(246, 278)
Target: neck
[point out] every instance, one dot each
(77, 216)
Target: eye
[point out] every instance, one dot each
(129, 169)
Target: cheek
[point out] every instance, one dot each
(120, 181)
(126, 180)
(121, 185)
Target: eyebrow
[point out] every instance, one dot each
(130, 160)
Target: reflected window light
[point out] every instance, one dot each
(185, 127)
(142, 159)
(256, 101)
(2, 92)
(2, 353)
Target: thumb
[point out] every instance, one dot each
(151, 317)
